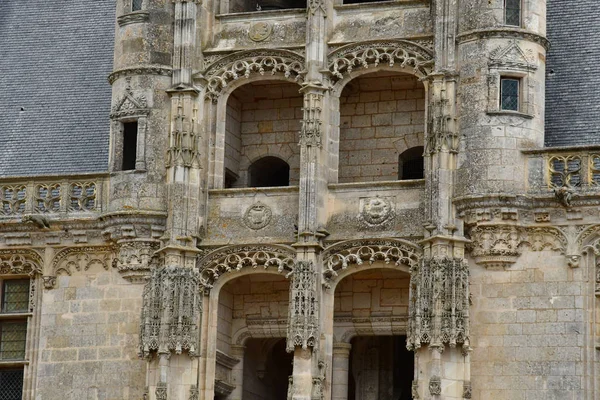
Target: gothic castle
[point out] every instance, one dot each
(299, 199)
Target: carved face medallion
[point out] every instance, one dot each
(375, 211)
(257, 216)
(259, 31)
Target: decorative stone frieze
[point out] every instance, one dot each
(439, 303)
(171, 312)
(136, 17)
(400, 53)
(72, 259)
(136, 71)
(134, 259)
(303, 325)
(504, 33)
(234, 258)
(244, 63)
(257, 216)
(339, 256)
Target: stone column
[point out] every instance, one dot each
(340, 371)
(237, 373)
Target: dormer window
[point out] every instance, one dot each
(512, 12)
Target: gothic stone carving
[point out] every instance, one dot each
(435, 386)
(134, 258)
(234, 258)
(12, 199)
(137, 71)
(171, 309)
(130, 104)
(415, 389)
(244, 63)
(72, 259)
(47, 198)
(184, 138)
(20, 262)
(303, 328)
(257, 216)
(375, 212)
(439, 303)
(402, 53)
(340, 255)
(260, 31)
(467, 390)
(512, 57)
(311, 130)
(161, 391)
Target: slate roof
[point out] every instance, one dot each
(55, 56)
(573, 73)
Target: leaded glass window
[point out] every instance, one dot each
(512, 12)
(11, 384)
(15, 295)
(13, 335)
(509, 94)
(136, 5)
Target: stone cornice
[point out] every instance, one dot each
(133, 18)
(147, 70)
(503, 32)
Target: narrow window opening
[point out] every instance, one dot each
(509, 94)
(410, 164)
(269, 171)
(230, 178)
(512, 12)
(136, 5)
(130, 130)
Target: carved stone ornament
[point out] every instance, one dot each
(12, 199)
(439, 303)
(303, 326)
(130, 104)
(399, 53)
(20, 262)
(467, 390)
(260, 31)
(435, 386)
(184, 136)
(161, 391)
(414, 389)
(134, 259)
(375, 212)
(171, 311)
(137, 71)
(72, 259)
(133, 18)
(257, 216)
(343, 254)
(316, 5)
(318, 392)
(311, 129)
(512, 57)
(234, 258)
(194, 392)
(244, 63)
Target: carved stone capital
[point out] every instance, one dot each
(134, 259)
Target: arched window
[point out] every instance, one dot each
(269, 171)
(410, 164)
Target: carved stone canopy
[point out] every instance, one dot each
(234, 258)
(20, 262)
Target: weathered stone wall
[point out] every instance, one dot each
(381, 115)
(88, 338)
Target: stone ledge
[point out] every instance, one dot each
(136, 17)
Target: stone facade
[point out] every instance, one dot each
(170, 276)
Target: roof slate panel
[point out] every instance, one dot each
(55, 57)
(573, 73)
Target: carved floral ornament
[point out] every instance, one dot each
(20, 262)
(339, 256)
(393, 53)
(242, 64)
(72, 259)
(234, 258)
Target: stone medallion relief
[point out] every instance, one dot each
(257, 216)
(260, 31)
(375, 212)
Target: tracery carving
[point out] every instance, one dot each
(245, 63)
(20, 261)
(565, 171)
(234, 258)
(257, 216)
(130, 104)
(47, 198)
(340, 255)
(79, 259)
(171, 310)
(134, 258)
(184, 138)
(12, 199)
(311, 129)
(435, 386)
(439, 303)
(303, 325)
(401, 53)
(82, 196)
(375, 212)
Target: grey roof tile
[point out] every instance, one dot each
(55, 57)
(573, 73)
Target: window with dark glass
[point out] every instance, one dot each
(130, 130)
(509, 94)
(136, 5)
(11, 384)
(269, 171)
(15, 295)
(410, 164)
(512, 12)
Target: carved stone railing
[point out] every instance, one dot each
(63, 196)
(562, 167)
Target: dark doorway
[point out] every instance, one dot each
(381, 365)
(269, 171)
(267, 368)
(410, 164)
